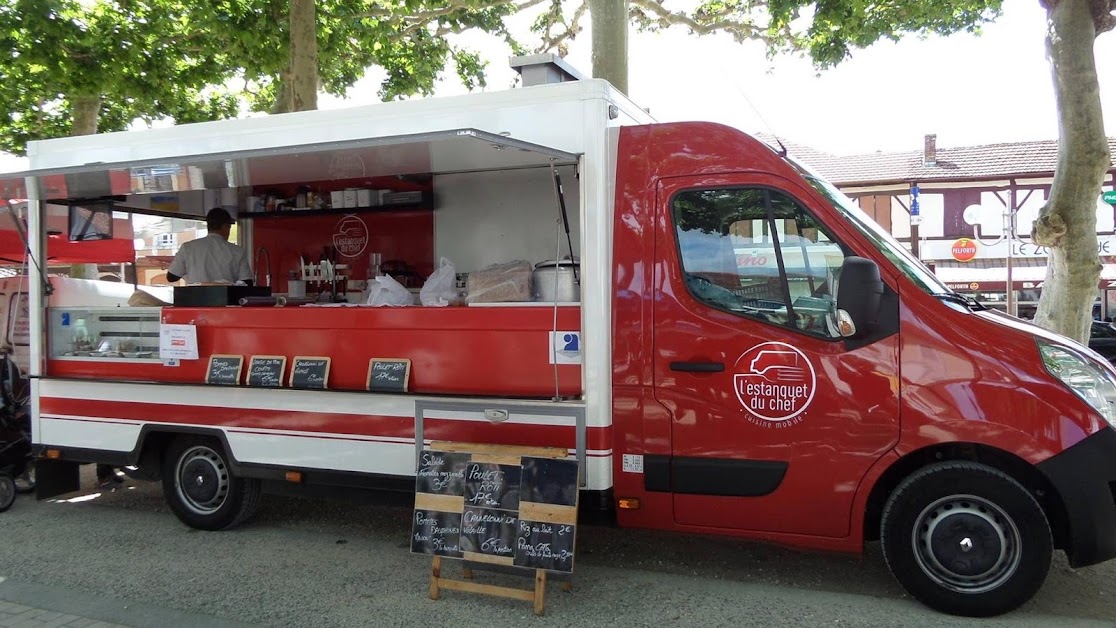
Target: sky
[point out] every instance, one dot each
(967, 89)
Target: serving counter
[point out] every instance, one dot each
(503, 351)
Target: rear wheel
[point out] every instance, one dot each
(7, 491)
(201, 488)
(966, 539)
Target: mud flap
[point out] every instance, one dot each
(55, 477)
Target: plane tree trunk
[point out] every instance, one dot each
(1068, 222)
(610, 41)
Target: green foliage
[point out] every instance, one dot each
(404, 37)
(826, 30)
(838, 26)
(138, 58)
(196, 60)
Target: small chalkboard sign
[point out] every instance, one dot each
(549, 481)
(545, 545)
(224, 369)
(489, 485)
(489, 531)
(442, 473)
(437, 533)
(266, 370)
(389, 374)
(309, 372)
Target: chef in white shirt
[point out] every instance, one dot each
(212, 259)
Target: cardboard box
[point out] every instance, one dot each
(337, 199)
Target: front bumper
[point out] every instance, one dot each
(1085, 477)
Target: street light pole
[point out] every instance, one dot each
(1009, 216)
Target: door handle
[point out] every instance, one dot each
(698, 367)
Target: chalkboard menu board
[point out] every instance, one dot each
(266, 370)
(437, 533)
(388, 374)
(309, 372)
(497, 508)
(544, 545)
(224, 369)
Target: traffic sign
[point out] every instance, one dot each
(1110, 197)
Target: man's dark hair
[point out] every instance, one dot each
(217, 218)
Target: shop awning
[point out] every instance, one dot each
(441, 152)
(992, 275)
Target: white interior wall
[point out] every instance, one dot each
(485, 218)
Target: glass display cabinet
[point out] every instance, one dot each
(104, 333)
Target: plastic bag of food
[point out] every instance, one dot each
(500, 283)
(441, 287)
(388, 291)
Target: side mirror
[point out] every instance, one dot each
(859, 290)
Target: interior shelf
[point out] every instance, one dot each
(339, 211)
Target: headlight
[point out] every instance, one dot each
(1091, 381)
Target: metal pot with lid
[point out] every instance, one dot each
(557, 280)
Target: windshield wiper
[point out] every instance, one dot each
(960, 299)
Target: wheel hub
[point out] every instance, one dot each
(202, 480)
(966, 543)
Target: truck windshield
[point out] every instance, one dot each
(889, 246)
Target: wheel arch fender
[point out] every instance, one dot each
(891, 470)
(154, 440)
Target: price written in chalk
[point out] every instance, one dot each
(224, 370)
(389, 374)
(488, 531)
(489, 485)
(266, 370)
(442, 473)
(310, 372)
(545, 545)
(436, 533)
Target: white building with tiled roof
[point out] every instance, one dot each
(996, 179)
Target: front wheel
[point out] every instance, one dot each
(201, 488)
(965, 539)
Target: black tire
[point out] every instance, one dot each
(25, 483)
(7, 491)
(965, 539)
(201, 488)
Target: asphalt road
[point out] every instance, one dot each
(304, 562)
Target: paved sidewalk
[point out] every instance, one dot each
(24, 605)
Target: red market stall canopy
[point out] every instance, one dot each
(61, 251)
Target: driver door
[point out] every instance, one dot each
(774, 420)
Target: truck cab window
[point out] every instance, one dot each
(758, 253)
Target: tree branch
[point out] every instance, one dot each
(453, 7)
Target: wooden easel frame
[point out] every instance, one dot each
(497, 454)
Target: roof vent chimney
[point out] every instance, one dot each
(544, 68)
(930, 150)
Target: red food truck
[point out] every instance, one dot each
(738, 349)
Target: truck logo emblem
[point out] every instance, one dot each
(775, 383)
(350, 236)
